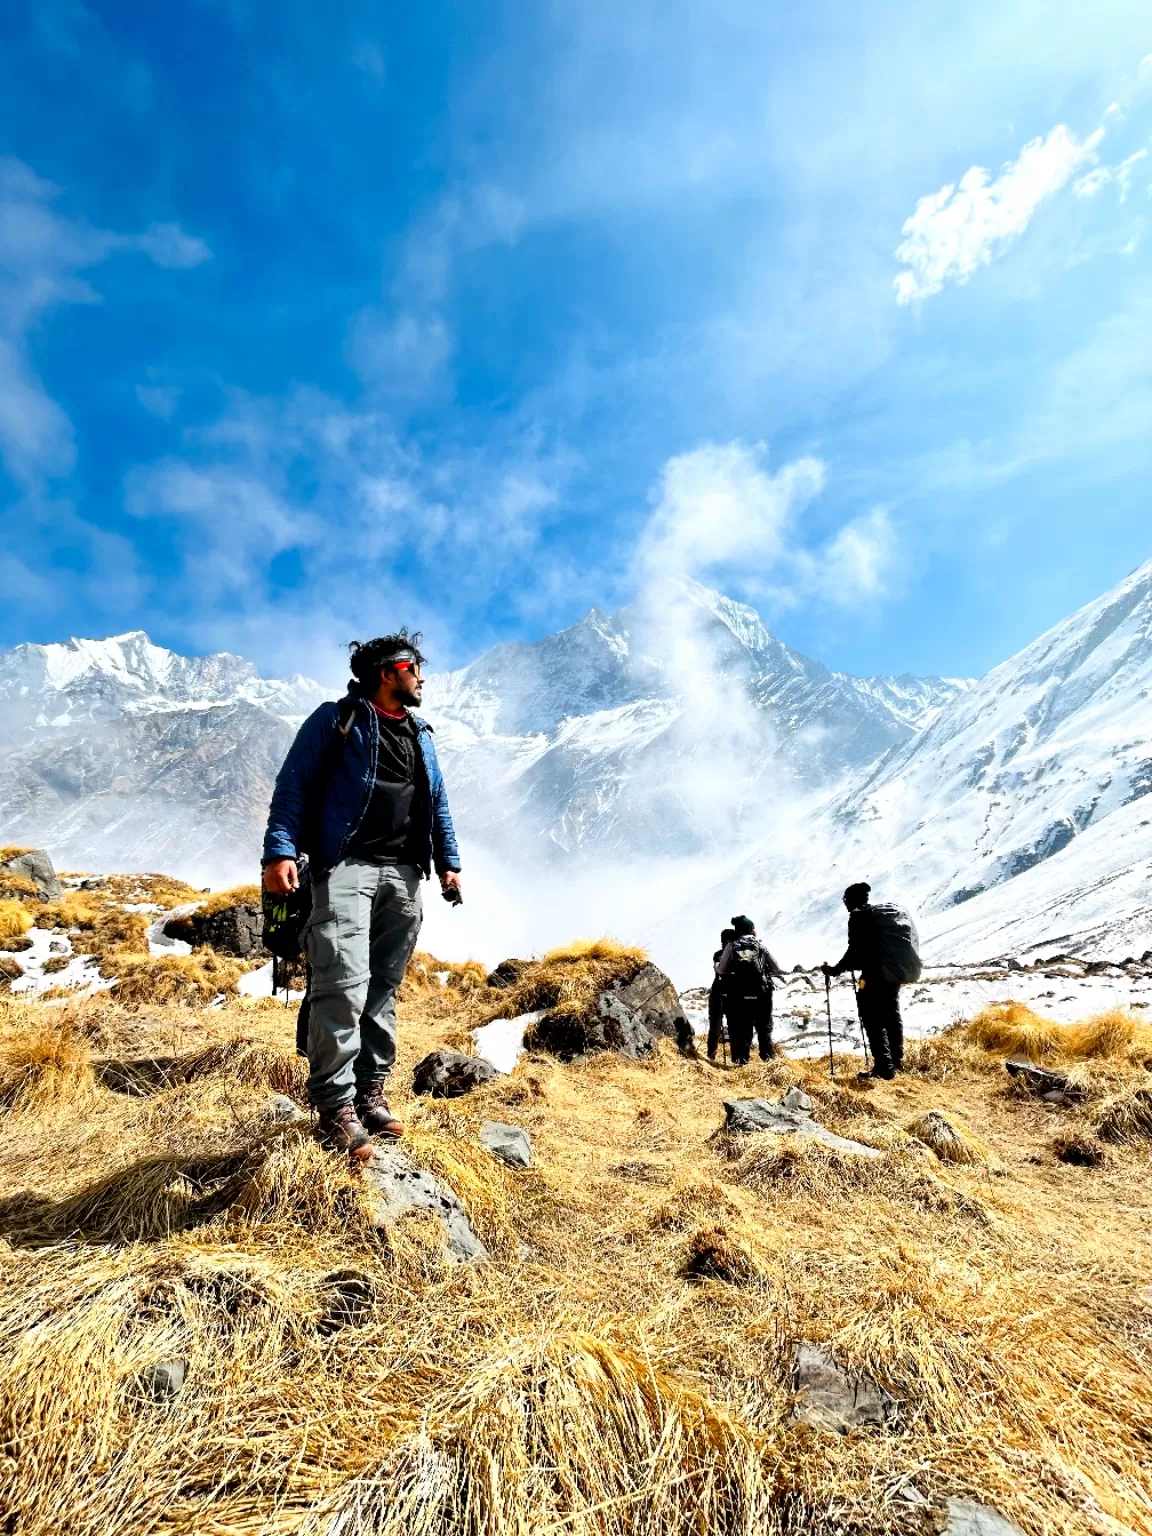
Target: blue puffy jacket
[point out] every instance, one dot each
(348, 791)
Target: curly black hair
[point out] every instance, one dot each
(369, 656)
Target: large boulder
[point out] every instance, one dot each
(235, 930)
(35, 865)
(450, 1074)
(507, 973)
(745, 1116)
(627, 1016)
(399, 1188)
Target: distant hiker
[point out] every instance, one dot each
(361, 792)
(883, 946)
(746, 969)
(716, 997)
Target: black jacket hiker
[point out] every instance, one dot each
(883, 949)
(746, 970)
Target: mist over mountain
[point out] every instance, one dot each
(656, 769)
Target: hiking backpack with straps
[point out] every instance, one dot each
(747, 974)
(896, 942)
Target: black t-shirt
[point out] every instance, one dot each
(388, 833)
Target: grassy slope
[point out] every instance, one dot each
(1004, 1302)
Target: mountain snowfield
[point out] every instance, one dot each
(653, 771)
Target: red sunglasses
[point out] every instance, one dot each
(406, 666)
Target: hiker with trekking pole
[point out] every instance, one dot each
(883, 946)
(361, 793)
(747, 970)
(717, 1027)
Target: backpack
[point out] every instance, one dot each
(746, 974)
(897, 944)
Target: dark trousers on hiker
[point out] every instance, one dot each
(748, 1016)
(715, 1019)
(879, 1005)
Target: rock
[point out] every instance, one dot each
(164, 1380)
(94, 883)
(234, 930)
(910, 1494)
(966, 1518)
(449, 1074)
(827, 1397)
(510, 1144)
(744, 1116)
(348, 1297)
(1042, 1081)
(796, 1098)
(628, 1017)
(399, 1188)
(284, 1111)
(507, 973)
(36, 866)
(59, 947)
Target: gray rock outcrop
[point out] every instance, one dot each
(627, 1017)
(745, 1116)
(967, 1518)
(829, 1397)
(509, 1143)
(398, 1188)
(450, 1074)
(235, 930)
(35, 865)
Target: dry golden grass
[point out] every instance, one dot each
(44, 1067)
(234, 896)
(1013, 1029)
(17, 887)
(623, 1366)
(951, 1141)
(186, 980)
(12, 851)
(15, 919)
(566, 981)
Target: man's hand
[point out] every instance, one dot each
(450, 882)
(281, 876)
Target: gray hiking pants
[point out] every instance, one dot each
(359, 939)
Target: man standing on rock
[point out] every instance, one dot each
(746, 970)
(362, 793)
(883, 947)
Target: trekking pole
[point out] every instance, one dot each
(860, 1021)
(828, 1005)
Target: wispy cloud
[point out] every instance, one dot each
(961, 228)
(1107, 175)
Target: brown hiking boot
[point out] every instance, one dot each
(372, 1107)
(340, 1130)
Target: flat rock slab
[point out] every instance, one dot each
(745, 1116)
(828, 1397)
(510, 1144)
(1049, 1085)
(966, 1518)
(398, 1188)
(450, 1074)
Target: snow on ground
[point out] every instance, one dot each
(258, 983)
(79, 975)
(159, 942)
(502, 1041)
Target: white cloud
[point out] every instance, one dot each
(405, 355)
(169, 246)
(159, 399)
(1104, 175)
(958, 230)
(718, 508)
(42, 253)
(718, 505)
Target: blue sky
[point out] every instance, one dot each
(316, 319)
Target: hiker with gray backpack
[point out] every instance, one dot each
(884, 947)
(361, 793)
(746, 970)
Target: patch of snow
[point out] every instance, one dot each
(259, 984)
(81, 974)
(159, 943)
(502, 1041)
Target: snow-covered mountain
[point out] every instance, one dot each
(1006, 782)
(661, 730)
(671, 763)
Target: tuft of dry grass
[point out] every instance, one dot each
(45, 1068)
(948, 1138)
(441, 983)
(568, 1434)
(234, 896)
(186, 980)
(13, 851)
(255, 1063)
(15, 919)
(716, 1253)
(566, 982)
(1013, 1029)
(1125, 1117)
(15, 886)
(299, 1187)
